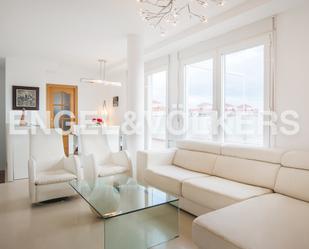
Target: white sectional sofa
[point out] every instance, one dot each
(246, 198)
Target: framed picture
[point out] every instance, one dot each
(116, 101)
(25, 97)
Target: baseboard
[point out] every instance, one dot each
(2, 176)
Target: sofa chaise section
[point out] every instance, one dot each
(268, 222)
(273, 221)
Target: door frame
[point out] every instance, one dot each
(75, 89)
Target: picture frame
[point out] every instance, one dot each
(26, 98)
(116, 101)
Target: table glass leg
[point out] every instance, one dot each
(142, 229)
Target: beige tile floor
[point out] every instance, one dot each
(60, 225)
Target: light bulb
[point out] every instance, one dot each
(221, 3)
(175, 14)
(205, 4)
(204, 19)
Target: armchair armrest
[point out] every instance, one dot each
(146, 159)
(90, 169)
(73, 165)
(122, 158)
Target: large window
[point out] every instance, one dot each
(199, 98)
(226, 95)
(157, 108)
(243, 98)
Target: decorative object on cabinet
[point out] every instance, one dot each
(116, 101)
(23, 121)
(25, 97)
(98, 121)
(104, 113)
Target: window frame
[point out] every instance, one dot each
(192, 60)
(217, 54)
(147, 131)
(265, 41)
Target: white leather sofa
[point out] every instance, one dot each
(246, 198)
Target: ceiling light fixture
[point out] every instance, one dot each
(161, 13)
(101, 79)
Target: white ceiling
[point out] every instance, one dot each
(77, 30)
(81, 31)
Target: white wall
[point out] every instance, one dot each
(292, 84)
(38, 72)
(117, 113)
(2, 115)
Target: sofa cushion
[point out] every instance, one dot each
(56, 176)
(214, 192)
(271, 155)
(169, 178)
(271, 221)
(251, 172)
(296, 159)
(111, 169)
(293, 182)
(196, 161)
(293, 178)
(208, 147)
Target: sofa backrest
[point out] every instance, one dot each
(197, 156)
(250, 165)
(293, 177)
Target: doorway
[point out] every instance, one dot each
(61, 98)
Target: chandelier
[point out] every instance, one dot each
(162, 13)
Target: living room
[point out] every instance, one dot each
(154, 124)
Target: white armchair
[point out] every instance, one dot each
(104, 162)
(49, 169)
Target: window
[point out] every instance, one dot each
(243, 98)
(199, 98)
(226, 94)
(157, 107)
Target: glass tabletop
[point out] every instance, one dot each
(112, 196)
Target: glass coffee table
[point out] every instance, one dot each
(135, 216)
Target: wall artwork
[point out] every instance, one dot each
(115, 101)
(26, 98)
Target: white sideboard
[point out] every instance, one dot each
(17, 153)
(18, 149)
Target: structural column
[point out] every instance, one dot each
(135, 97)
